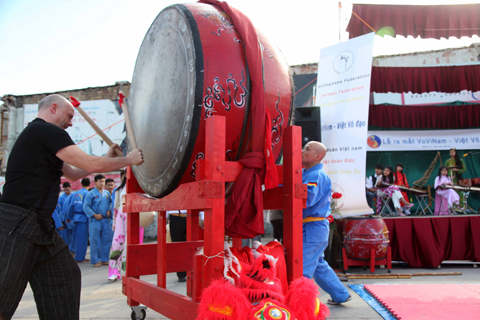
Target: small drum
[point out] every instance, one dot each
(476, 182)
(361, 235)
(191, 65)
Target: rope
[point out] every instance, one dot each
(363, 21)
(102, 130)
(306, 85)
(218, 255)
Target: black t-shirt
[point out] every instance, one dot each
(33, 169)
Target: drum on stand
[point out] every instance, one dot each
(361, 235)
(191, 65)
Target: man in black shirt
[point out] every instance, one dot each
(30, 247)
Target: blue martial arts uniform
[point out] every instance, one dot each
(80, 219)
(63, 202)
(56, 218)
(100, 230)
(315, 233)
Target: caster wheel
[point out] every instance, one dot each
(142, 317)
(389, 271)
(365, 268)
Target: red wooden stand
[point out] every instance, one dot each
(372, 262)
(206, 194)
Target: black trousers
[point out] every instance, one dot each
(277, 229)
(29, 255)
(178, 232)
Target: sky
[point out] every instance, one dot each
(56, 45)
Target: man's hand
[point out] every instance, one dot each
(135, 157)
(108, 214)
(98, 216)
(111, 151)
(68, 221)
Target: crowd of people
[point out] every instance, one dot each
(388, 184)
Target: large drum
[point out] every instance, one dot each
(191, 65)
(361, 235)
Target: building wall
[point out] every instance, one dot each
(458, 56)
(12, 111)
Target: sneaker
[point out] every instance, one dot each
(113, 278)
(407, 212)
(334, 303)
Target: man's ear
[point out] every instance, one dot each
(54, 108)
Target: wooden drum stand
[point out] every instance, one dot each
(206, 194)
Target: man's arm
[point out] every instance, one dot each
(87, 205)
(78, 164)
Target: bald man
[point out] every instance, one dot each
(316, 226)
(30, 248)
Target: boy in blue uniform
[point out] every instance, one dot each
(67, 191)
(98, 208)
(80, 219)
(316, 225)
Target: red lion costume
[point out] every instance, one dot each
(252, 290)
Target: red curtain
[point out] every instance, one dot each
(426, 242)
(425, 79)
(425, 117)
(438, 21)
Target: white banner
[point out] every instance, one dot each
(103, 112)
(343, 92)
(465, 139)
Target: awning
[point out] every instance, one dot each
(436, 21)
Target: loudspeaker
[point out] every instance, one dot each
(309, 119)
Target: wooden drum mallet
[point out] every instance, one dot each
(97, 129)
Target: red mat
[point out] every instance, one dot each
(429, 301)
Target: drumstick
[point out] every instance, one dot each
(97, 129)
(128, 123)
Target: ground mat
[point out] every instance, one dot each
(424, 301)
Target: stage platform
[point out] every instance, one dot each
(426, 241)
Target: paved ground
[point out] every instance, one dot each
(104, 300)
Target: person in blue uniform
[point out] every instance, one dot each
(68, 227)
(316, 224)
(64, 232)
(98, 208)
(78, 217)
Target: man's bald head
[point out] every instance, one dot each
(313, 153)
(46, 102)
(57, 110)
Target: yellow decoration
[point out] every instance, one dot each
(225, 310)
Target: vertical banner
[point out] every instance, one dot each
(343, 92)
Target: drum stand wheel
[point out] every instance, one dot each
(139, 313)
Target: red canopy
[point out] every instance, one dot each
(424, 21)
(425, 79)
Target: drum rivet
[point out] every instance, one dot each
(298, 171)
(219, 168)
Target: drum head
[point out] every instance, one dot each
(165, 99)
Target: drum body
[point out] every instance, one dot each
(361, 235)
(191, 65)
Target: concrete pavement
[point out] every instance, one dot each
(102, 299)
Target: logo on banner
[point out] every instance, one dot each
(374, 141)
(343, 61)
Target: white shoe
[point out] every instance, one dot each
(113, 278)
(407, 212)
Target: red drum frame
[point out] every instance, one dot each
(206, 193)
